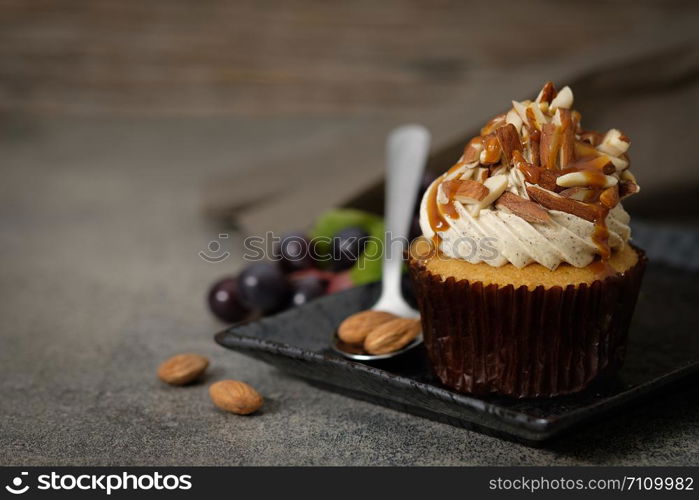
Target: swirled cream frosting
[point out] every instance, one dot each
(533, 187)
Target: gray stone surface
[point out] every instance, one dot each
(100, 281)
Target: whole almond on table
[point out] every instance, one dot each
(182, 369)
(235, 396)
(392, 335)
(355, 328)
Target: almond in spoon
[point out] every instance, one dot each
(392, 336)
(355, 328)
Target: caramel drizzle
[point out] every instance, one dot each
(436, 212)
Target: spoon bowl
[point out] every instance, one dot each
(358, 354)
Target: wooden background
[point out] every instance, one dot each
(297, 57)
(311, 88)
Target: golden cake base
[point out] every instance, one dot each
(530, 276)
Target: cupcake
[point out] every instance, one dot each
(525, 277)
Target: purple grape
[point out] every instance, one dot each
(225, 302)
(293, 252)
(347, 246)
(263, 286)
(306, 289)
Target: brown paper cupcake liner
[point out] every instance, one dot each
(484, 339)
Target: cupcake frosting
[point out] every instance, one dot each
(534, 186)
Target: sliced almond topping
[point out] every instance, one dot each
(509, 142)
(490, 127)
(539, 118)
(564, 99)
(578, 193)
(534, 147)
(466, 174)
(518, 159)
(547, 179)
(455, 171)
(620, 163)
(553, 201)
(567, 151)
(576, 118)
(586, 178)
(610, 197)
(537, 175)
(584, 149)
(602, 163)
(497, 170)
(547, 93)
(591, 137)
(491, 150)
(550, 144)
(482, 173)
(521, 109)
(523, 208)
(513, 118)
(614, 143)
(529, 172)
(472, 151)
(496, 185)
(627, 188)
(466, 191)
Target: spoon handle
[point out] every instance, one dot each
(406, 151)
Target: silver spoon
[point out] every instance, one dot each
(406, 156)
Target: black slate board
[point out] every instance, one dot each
(663, 349)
